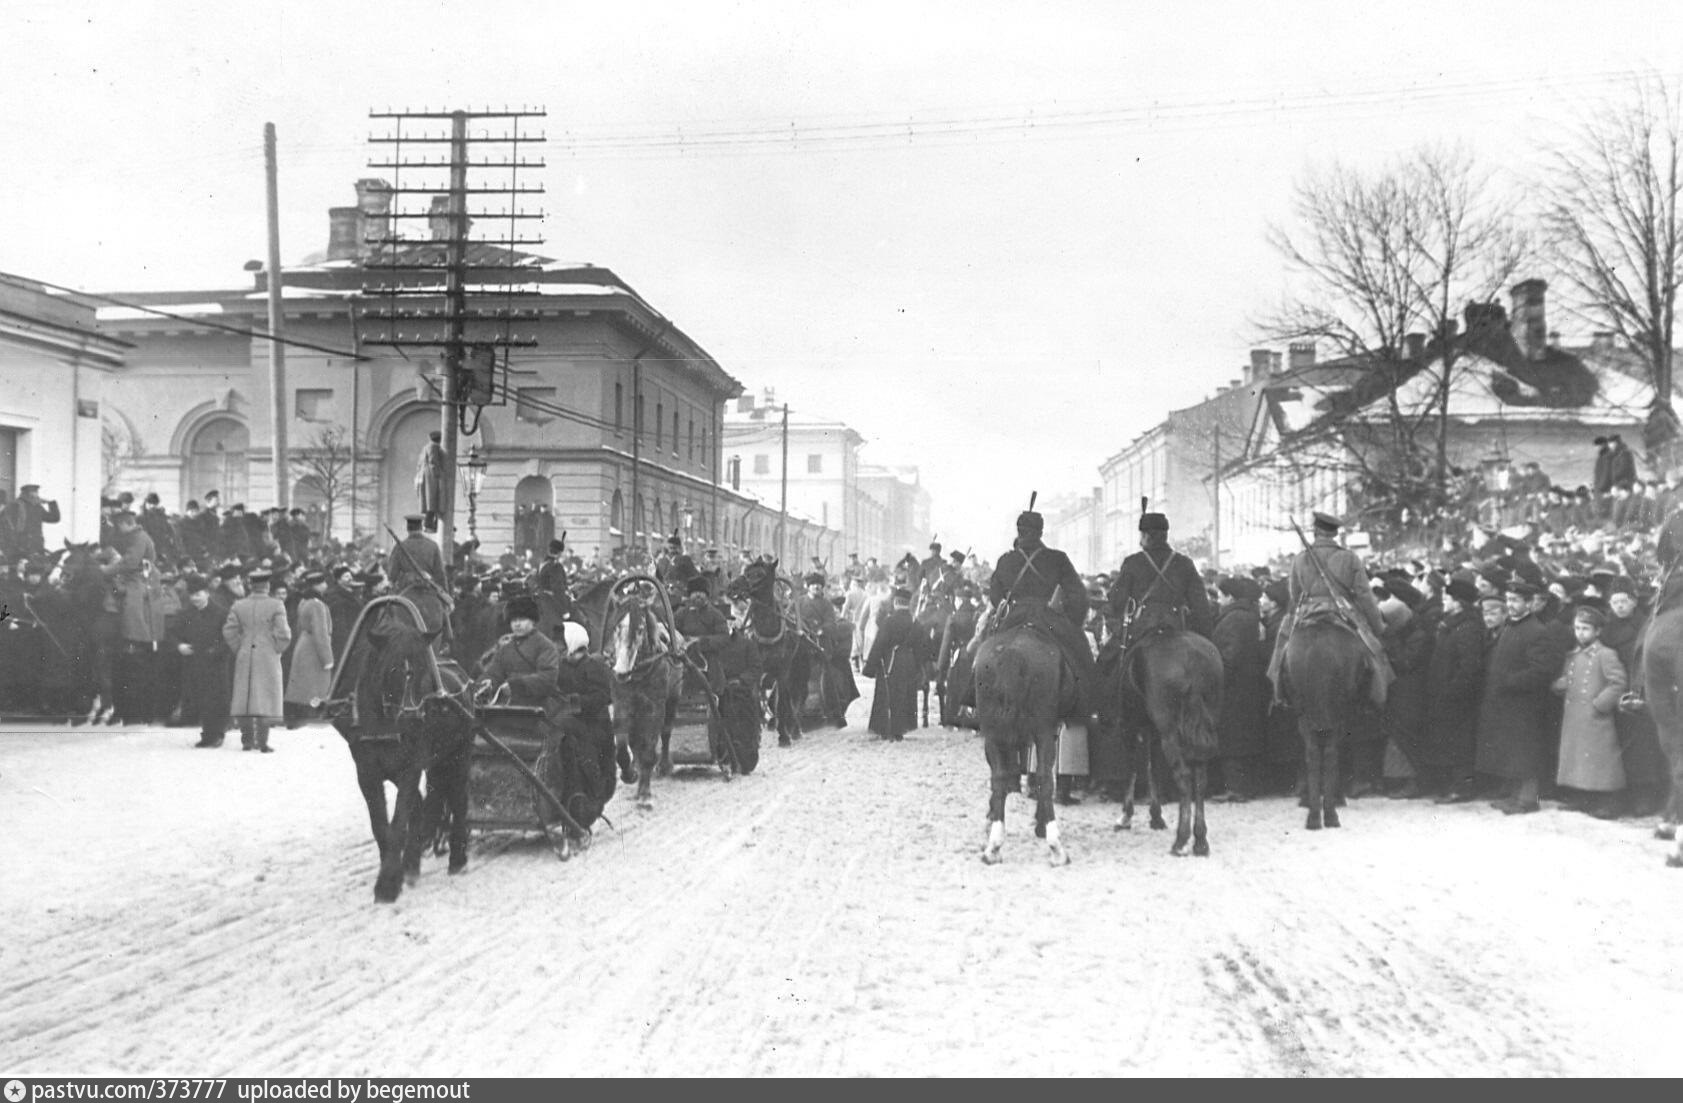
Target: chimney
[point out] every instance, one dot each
(344, 237)
(1481, 316)
(374, 202)
(1301, 355)
(1274, 361)
(1414, 347)
(1601, 342)
(1260, 359)
(1530, 328)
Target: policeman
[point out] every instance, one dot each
(1024, 582)
(524, 660)
(1158, 587)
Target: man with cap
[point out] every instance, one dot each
(930, 569)
(21, 521)
(1024, 584)
(140, 618)
(1326, 577)
(257, 633)
(525, 660)
(233, 536)
(552, 575)
(311, 673)
(206, 682)
(1513, 712)
(429, 479)
(698, 621)
(896, 664)
(1244, 698)
(1444, 748)
(157, 525)
(416, 569)
(343, 604)
(815, 611)
(1158, 588)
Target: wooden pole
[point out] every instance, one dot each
(277, 351)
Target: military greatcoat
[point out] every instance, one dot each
(256, 632)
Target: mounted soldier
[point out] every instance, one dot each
(416, 569)
(1328, 580)
(929, 571)
(552, 574)
(1158, 589)
(1037, 585)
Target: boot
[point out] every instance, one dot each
(262, 739)
(1064, 796)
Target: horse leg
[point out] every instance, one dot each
(1045, 816)
(622, 755)
(1312, 774)
(374, 795)
(393, 855)
(1183, 823)
(1200, 834)
(1332, 789)
(413, 833)
(1158, 823)
(1130, 775)
(645, 745)
(456, 796)
(1002, 770)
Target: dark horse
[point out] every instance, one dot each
(1662, 677)
(1021, 691)
(89, 639)
(1168, 688)
(929, 623)
(785, 654)
(402, 712)
(1325, 675)
(647, 681)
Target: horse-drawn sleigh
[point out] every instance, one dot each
(406, 713)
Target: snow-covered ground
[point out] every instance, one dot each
(165, 910)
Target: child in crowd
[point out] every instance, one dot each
(1592, 683)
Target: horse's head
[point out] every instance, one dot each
(755, 582)
(635, 636)
(402, 672)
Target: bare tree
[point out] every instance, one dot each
(325, 467)
(1385, 260)
(1615, 230)
(119, 446)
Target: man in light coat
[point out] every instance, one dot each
(312, 652)
(256, 632)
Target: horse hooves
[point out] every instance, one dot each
(458, 867)
(626, 777)
(386, 894)
(1313, 823)
(1666, 831)
(783, 741)
(1178, 850)
(1332, 819)
(1057, 858)
(1675, 861)
(991, 857)
(665, 770)
(1201, 848)
(1159, 825)
(646, 803)
(411, 877)
(1123, 825)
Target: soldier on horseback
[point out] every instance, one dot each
(1158, 588)
(1328, 579)
(1026, 583)
(552, 575)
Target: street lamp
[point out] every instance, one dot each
(475, 466)
(689, 522)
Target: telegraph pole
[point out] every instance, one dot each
(277, 350)
(437, 270)
(783, 504)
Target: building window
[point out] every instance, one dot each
(762, 464)
(312, 404)
(619, 407)
(528, 403)
(692, 438)
(660, 419)
(815, 464)
(706, 456)
(674, 432)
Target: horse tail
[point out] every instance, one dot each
(1197, 724)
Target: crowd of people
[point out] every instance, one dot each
(1510, 649)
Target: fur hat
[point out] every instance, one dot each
(696, 585)
(1031, 521)
(1462, 590)
(524, 607)
(1154, 522)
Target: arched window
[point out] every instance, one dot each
(616, 513)
(216, 460)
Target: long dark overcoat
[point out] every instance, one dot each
(256, 632)
(1513, 712)
(1244, 667)
(1454, 680)
(897, 666)
(1409, 647)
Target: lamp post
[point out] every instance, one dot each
(689, 523)
(475, 466)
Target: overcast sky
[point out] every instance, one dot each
(998, 239)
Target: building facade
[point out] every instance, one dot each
(611, 424)
(55, 368)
